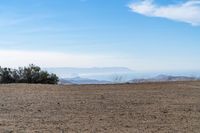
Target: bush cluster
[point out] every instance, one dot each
(31, 74)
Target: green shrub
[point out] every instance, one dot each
(31, 74)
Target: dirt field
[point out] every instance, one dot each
(141, 108)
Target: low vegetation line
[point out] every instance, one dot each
(31, 74)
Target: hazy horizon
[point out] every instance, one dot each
(145, 36)
(110, 73)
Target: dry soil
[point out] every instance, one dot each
(130, 108)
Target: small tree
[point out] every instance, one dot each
(6, 75)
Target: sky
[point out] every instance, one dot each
(147, 35)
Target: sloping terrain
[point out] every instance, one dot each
(133, 108)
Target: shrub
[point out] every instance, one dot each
(30, 74)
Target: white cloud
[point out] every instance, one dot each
(188, 12)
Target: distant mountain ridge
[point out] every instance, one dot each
(91, 73)
(89, 70)
(165, 78)
(79, 80)
(106, 75)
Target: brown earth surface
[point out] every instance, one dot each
(130, 108)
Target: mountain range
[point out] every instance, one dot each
(79, 80)
(97, 73)
(165, 78)
(159, 78)
(106, 75)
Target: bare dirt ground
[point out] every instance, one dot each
(140, 108)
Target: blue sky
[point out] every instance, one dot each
(142, 35)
